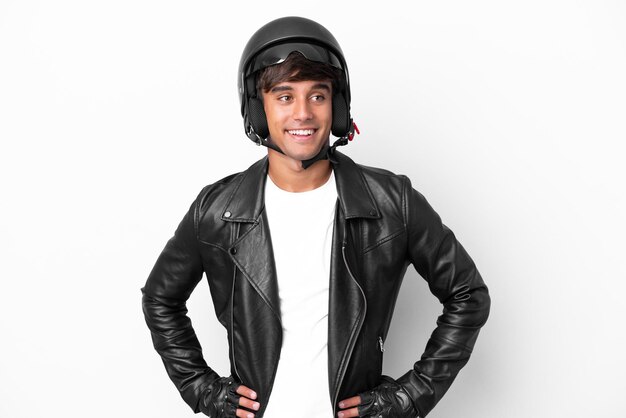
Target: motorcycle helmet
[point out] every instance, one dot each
(271, 45)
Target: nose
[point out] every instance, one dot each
(302, 110)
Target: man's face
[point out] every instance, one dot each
(299, 117)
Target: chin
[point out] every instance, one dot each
(298, 157)
(304, 155)
(300, 151)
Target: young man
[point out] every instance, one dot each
(304, 254)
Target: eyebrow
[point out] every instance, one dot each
(316, 86)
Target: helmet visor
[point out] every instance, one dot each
(279, 53)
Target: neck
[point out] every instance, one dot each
(289, 175)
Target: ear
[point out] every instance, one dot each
(341, 116)
(258, 120)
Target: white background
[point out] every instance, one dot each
(508, 116)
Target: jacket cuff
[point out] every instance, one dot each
(199, 393)
(411, 386)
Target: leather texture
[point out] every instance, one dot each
(388, 399)
(220, 398)
(382, 225)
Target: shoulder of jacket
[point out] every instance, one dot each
(211, 191)
(223, 188)
(377, 177)
(395, 191)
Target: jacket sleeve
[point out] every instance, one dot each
(453, 278)
(174, 276)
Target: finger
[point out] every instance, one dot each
(352, 412)
(246, 391)
(244, 414)
(248, 403)
(350, 402)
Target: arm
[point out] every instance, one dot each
(453, 278)
(172, 280)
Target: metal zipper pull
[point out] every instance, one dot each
(380, 343)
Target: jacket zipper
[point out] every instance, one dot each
(232, 314)
(354, 334)
(232, 323)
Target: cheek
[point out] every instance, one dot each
(326, 113)
(274, 114)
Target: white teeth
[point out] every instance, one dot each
(301, 132)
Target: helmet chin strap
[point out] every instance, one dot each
(322, 155)
(327, 151)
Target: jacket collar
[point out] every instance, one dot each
(247, 199)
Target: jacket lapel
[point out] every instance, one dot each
(354, 195)
(252, 249)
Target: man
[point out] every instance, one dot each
(304, 254)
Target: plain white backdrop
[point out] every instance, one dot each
(508, 116)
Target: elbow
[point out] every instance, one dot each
(483, 305)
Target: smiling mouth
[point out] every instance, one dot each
(301, 133)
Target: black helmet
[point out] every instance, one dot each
(270, 45)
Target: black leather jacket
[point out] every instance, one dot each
(381, 226)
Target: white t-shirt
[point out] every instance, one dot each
(301, 228)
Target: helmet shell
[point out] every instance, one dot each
(271, 45)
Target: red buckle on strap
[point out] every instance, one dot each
(351, 134)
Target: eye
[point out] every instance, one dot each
(284, 98)
(318, 97)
